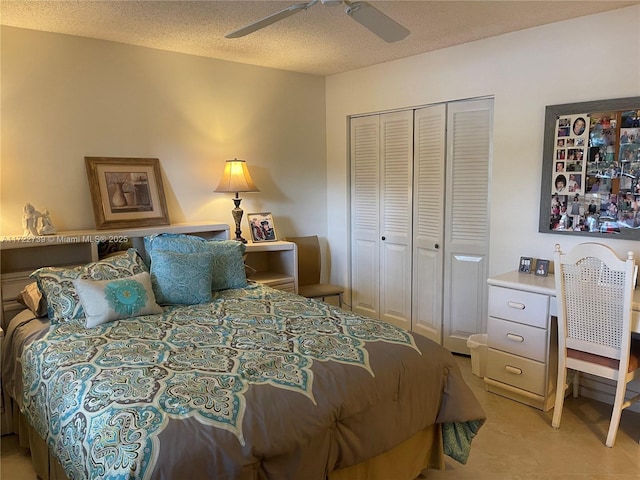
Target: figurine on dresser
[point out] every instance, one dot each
(45, 227)
(35, 223)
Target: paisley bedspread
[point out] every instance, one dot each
(258, 383)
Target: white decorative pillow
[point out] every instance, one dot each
(56, 283)
(107, 300)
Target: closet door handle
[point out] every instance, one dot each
(437, 246)
(383, 238)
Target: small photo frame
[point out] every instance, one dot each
(542, 268)
(262, 227)
(126, 192)
(526, 263)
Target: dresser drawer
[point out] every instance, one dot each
(523, 307)
(517, 371)
(517, 338)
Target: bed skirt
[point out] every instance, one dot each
(422, 451)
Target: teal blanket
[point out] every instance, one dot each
(256, 382)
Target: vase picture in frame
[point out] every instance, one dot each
(262, 227)
(126, 192)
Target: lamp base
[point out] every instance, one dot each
(237, 216)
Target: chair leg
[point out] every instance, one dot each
(576, 383)
(340, 300)
(616, 414)
(560, 388)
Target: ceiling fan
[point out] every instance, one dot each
(362, 12)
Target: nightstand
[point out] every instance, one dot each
(275, 264)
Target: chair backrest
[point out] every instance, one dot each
(594, 290)
(309, 259)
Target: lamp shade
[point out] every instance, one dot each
(236, 178)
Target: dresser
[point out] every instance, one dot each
(523, 340)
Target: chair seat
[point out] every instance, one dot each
(320, 290)
(634, 357)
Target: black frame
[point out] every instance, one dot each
(571, 112)
(525, 264)
(542, 267)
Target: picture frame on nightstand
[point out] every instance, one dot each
(262, 227)
(525, 264)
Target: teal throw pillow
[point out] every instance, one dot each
(107, 300)
(228, 261)
(181, 278)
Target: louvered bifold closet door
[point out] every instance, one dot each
(396, 167)
(365, 210)
(469, 152)
(428, 220)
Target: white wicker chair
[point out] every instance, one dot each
(594, 291)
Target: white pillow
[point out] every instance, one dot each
(107, 300)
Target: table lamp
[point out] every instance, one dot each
(236, 179)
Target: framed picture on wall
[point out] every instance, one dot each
(262, 227)
(591, 169)
(126, 192)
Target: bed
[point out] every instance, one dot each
(248, 383)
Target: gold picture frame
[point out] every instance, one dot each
(126, 192)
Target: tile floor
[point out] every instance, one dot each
(517, 442)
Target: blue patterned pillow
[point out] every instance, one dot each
(181, 278)
(228, 263)
(107, 300)
(56, 283)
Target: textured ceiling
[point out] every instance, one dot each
(322, 40)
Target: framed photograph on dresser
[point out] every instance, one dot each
(126, 192)
(262, 227)
(542, 267)
(525, 264)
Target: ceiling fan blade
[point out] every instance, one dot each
(370, 17)
(273, 18)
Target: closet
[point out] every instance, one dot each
(419, 218)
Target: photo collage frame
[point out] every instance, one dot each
(594, 182)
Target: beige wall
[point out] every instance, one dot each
(64, 98)
(589, 58)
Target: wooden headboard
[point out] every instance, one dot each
(19, 256)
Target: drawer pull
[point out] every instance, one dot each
(515, 338)
(514, 370)
(516, 305)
